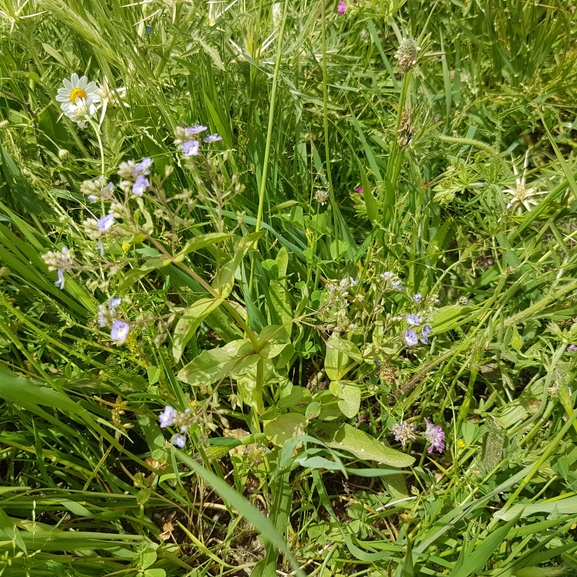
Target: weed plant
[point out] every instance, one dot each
(288, 288)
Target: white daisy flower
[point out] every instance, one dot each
(78, 98)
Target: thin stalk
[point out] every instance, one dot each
(326, 128)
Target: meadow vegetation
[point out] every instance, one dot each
(288, 288)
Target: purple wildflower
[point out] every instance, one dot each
(167, 417)
(179, 441)
(212, 138)
(425, 334)
(411, 338)
(342, 7)
(140, 185)
(435, 435)
(418, 297)
(413, 320)
(397, 284)
(105, 223)
(114, 302)
(359, 189)
(119, 331)
(571, 348)
(192, 130)
(60, 282)
(190, 148)
(143, 167)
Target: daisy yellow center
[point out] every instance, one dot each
(77, 93)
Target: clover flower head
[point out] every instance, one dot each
(413, 320)
(342, 7)
(403, 432)
(434, 435)
(119, 331)
(411, 338)
(321, 196)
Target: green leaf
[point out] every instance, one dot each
(201, 241)
(189, 323)
(350, 398)
(362, 445)
(281, 429)
(566, 506)
(136, 274)
(224, 281)
(336, 361)
(248, 511)
(155, 573)
(214, 365)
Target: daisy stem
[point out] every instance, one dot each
(97, 132)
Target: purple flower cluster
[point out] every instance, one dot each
(107, 316)
(404, 432)
(170, 417)
(59, 261)
(134, 176)
(188, 141)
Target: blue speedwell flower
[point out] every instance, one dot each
(413, 320)
(119, 331)
(425, 334)
(411, 338)
(105, 223)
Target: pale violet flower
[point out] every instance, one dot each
(167, 417)
(143, 167)
(212, 138)
(119, 331)
(195, 129)
(105, 223)
(411, 338)
(190, 148)
(413, 320)
(425, 334)
(342, 7)
(179, 441)
(418, 297)
(435, 435)
(114, 302)
(140, 185)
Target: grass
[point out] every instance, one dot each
(266, 293)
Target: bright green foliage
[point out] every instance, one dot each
(293, 317)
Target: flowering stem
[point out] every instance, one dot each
(97, 132)
(262, 187)
(326, 129)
